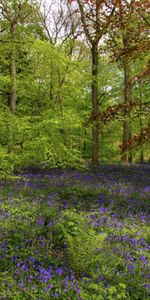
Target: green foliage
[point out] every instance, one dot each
(54, 97)
(98, 252)
(6, 163)
(80, 240)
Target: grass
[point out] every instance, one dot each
(66, 234)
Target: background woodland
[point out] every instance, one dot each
(74, 83)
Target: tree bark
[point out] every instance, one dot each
(127, 156)
(12, 98)
(141, 128)
(95, 105)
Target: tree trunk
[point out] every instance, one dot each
(95, 106)
(141, 128)
(51, 95)
(127, 156)
(12, 96)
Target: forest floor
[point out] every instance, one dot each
(71, 234)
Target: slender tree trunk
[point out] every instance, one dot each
(12, 96)
(95, 106)
(127, 156)
(51, 86)
(84, 144)
(141, 128)
(51, 95)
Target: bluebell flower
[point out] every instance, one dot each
(59, 271)
(20, 284)
(49, 287)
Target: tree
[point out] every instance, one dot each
(142, 137)
(127, 40)
(15, 13)
(95, 17)
(59, 21)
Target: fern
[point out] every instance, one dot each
(82, 242)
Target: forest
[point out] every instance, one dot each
(75, 149)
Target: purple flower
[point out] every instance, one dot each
(103, 210)
(115, 250)
(100, 278)
(25, 267)
(148, 275)
(31, 259)
(56, 295)
(59, 271)
(131, 269)
(147, 286)
(50, 224)
(13, 258)
(72, 277)
(66, 282)
(4, 245)
(50, 203)
(40, 222)
(20, 284)
(28, 241)
(95, 223)
(143, 258)
(75, 288)
(49, 287)
(45, 275)
(146, 189)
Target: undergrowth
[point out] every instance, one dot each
(55, 245)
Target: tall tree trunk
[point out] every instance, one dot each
(95, 105)
(12, 96)
(84, 148)
(51, 95)
(141, 128)
(127, 156)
